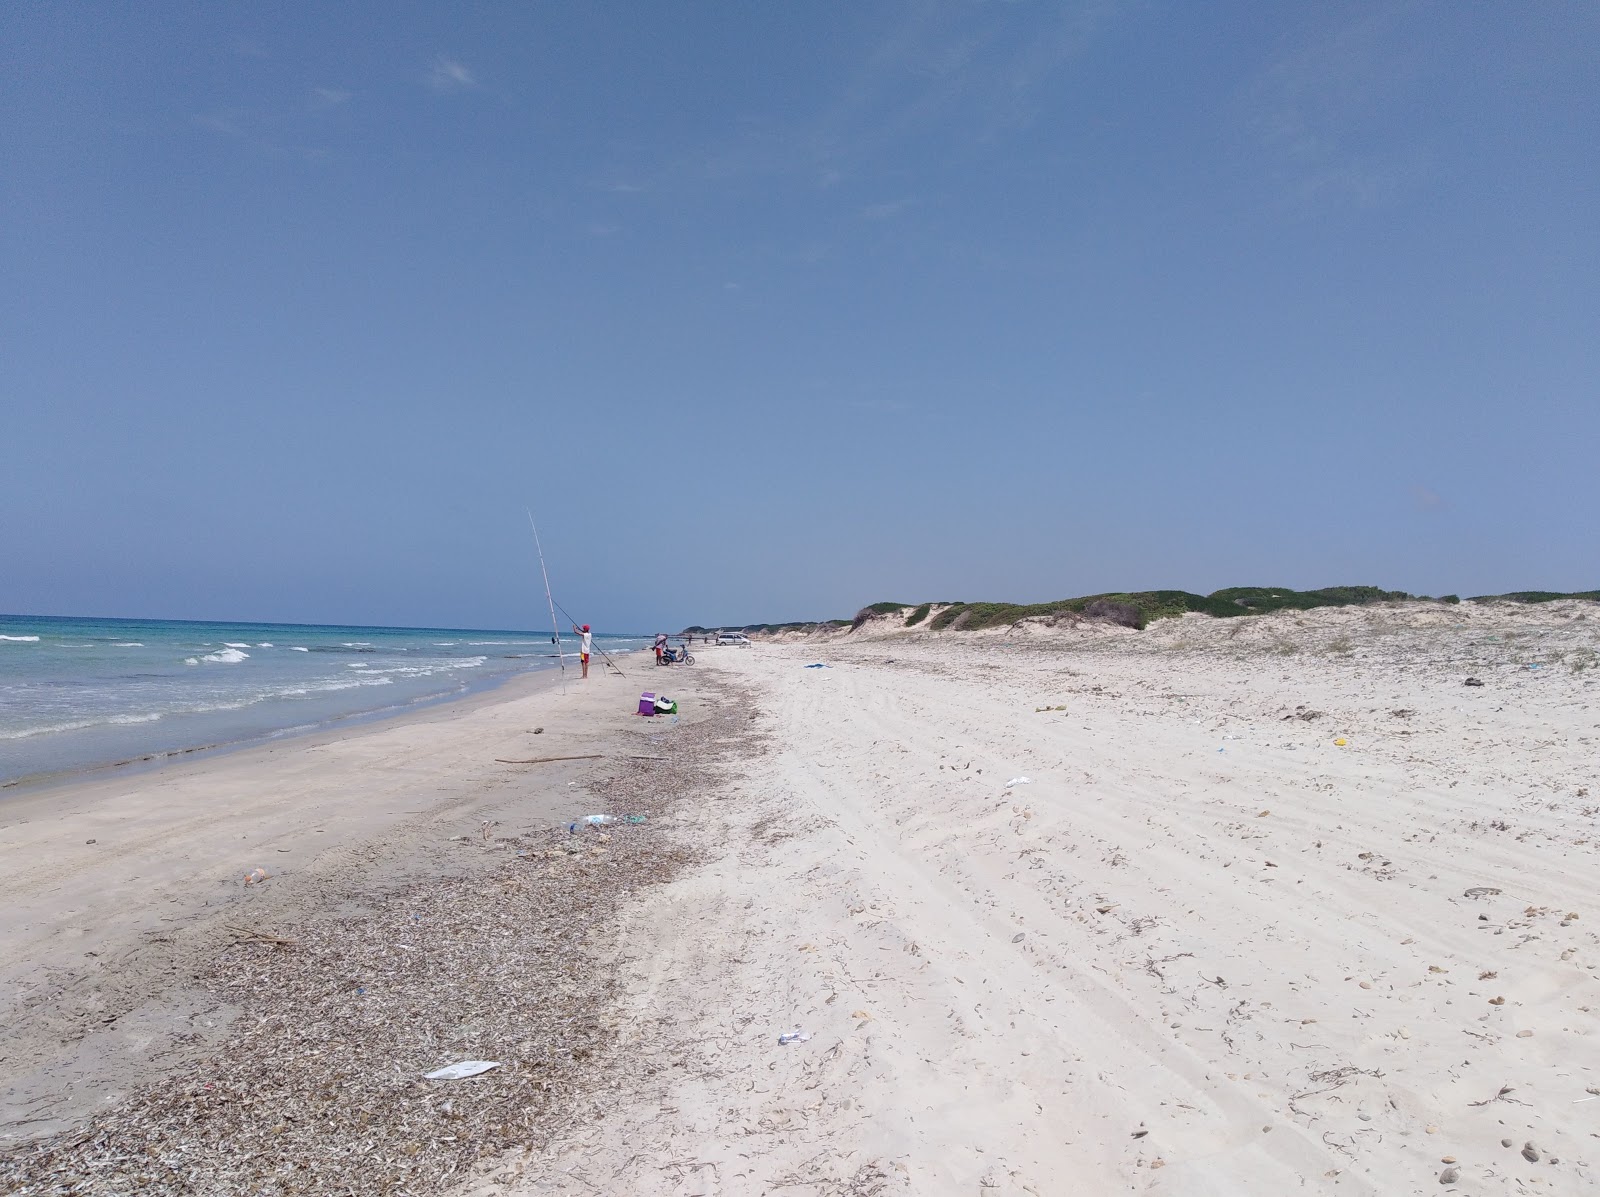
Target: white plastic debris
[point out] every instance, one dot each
(1019, 781)
(460, 1070)
(794, 1037)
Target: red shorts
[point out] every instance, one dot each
(584, 657)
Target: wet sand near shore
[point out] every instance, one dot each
(147, 987)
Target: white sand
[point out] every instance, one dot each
(1203, 950)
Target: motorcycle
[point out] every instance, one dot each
(675, 656)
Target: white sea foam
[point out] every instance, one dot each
(298, 649)
(354, 683)
(263, 645)
(130, 644)
(355, 665)
(191, 660)
(430, 668)
(225, 656)
(445, 643)
(20, 639)
(79, 724)
(231, 644)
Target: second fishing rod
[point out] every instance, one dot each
(597, 648)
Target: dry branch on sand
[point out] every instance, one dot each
(545, 760)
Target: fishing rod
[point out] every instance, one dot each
(555, 628)
(553, 605)
(597, 648)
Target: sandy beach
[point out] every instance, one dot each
(1259, 905)
(126, 915)
(1204, 948)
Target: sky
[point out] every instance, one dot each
(771, 311)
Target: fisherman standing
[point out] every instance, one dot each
(588, 643)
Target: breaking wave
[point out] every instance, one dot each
(223, 656)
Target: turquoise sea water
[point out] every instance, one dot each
(76, 694)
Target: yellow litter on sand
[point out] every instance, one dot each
(1340, 741)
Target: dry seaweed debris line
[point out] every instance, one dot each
(318, 1087)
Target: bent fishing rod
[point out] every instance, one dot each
(597, 648)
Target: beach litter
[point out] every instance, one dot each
(635, 819)
(819, 665)
(256, 876)
(789, 1037)
(1019, 781)
(1472, 681)
(460, 1070)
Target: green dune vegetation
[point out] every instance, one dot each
(1137, 609)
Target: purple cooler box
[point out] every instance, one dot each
(647, 703)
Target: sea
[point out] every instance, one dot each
(78, 695)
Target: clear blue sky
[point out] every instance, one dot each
(773, 310)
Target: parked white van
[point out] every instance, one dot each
(733, 638)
